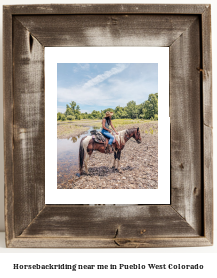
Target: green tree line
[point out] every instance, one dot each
(146, 110)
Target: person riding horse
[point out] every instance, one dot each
(88, 144)
(106, 122)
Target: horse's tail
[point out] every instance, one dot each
(81, 155)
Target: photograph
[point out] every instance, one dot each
(112, 97)
(107, 125)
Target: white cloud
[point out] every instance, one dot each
(117, 92)
(84, 66)
(102, 77)
(81, 66)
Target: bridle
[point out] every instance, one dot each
(128, 137)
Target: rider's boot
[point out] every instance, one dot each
(109, 149)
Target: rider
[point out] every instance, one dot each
(106, 122)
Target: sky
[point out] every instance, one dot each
(104, 85)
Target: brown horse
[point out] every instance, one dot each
(88, 145)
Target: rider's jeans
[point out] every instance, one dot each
(107, 134)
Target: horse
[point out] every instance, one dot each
(88, 145)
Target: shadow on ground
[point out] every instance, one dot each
(105, 171)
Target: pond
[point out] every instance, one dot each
(67, 156)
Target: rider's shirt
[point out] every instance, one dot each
(106, 123)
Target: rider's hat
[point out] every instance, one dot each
(108, 113)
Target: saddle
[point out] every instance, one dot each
(98, 137)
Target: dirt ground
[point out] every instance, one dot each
(138, 165)
(70, 129)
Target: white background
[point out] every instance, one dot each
(159, 55)
(206, 254)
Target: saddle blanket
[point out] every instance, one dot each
(98, 136)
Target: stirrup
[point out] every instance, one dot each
(109, 149)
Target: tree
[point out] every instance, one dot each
(72, 105)
(96, 114)
(69, 111)
(150, 108)
(59, 115)
(70, 118)
(139, 109)
(84, 115)
(120, 113)
(77, 112)
(124, 114)
(63, 118)
(131, 109)
(146, 110)
(77, 109)
(155, 117)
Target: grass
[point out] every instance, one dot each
(145, 126)
(67, 129)
(85, 122)
(121, 122)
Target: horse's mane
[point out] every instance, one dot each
(120, 136)
(130, 130)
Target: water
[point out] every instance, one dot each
(67, 156)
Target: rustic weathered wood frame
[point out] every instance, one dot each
(188, 220)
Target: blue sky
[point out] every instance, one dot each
(100, 86)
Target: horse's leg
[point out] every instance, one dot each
(115, 156)
(86, 158)
(118, 157)
(88, 154)
(88, 149)
(85, 164)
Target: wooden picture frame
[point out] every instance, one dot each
(186, 30)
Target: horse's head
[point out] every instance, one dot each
(133, 132)
(137, 136)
